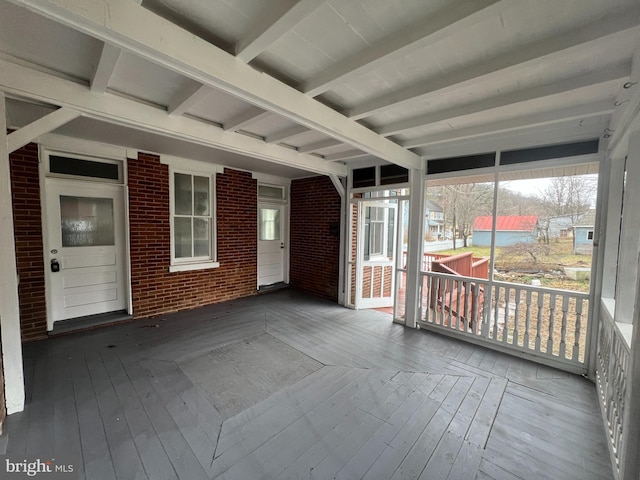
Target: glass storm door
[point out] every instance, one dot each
(271, 244)
(377, 223)
(84, 261)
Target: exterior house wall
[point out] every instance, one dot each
(27, 224)
(503, 238)
(156, 291)
(315, 236)
(582, 244)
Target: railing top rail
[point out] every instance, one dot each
(453, 258)
(520, 286)
(479, 261)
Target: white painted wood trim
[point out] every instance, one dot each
(9, 301)
(40, 86)
(132, 27)
(105, 68)
(61, 143)
(338, 185)
(270, 179)
(245, 119)
(286, 134)
(46, 124)
(187, 267)
(612, 231)
(415, 247)
(187, 99)
(191, 165)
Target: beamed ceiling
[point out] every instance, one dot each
(293, 87)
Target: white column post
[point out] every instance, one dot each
(628, 310)
(9, 306)
(415, 247)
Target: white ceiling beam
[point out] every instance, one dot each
(451, 21)
(616, 73)
(271, 28)
(135, 29)
(187, 98)
(22, 82)
(245, 119)
(286, 134)
(565, 44)
(622, 121)
(312, 147)
(105, 68)
(46, 124)
(528, 121)
(335, 157)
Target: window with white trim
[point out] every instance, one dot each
(193, 221)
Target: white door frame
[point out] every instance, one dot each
(284, 225)
(359, 301)
(100, 152)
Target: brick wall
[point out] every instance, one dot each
(27, 223)
(155, 290)
(315, 237)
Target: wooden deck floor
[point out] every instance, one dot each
(370, 399)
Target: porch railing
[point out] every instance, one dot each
(477, 267)
(611, 376)
(545, 323)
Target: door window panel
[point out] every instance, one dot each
(86, 221)
(269, 224)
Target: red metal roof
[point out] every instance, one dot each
(521, 223)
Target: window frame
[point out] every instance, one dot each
(194, 169)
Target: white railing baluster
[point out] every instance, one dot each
(516, 316)
(578, 330)
(527, 321)
(552, 310)
(540, 296)
(563, 334)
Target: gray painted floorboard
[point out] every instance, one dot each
(336, 394)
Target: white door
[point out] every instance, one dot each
(271, 243)
(85, 257)
(376, 236)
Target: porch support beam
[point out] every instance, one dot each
(273, 27)
(415, 247)
(26, 83)
(347, 155)
(9, 302)
(312, 147)
(563, 45)
(46, 124)
(338, 184)
(153, 38)
(628, 311)
(106, 66)
(539, 120)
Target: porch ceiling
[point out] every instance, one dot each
(324, 84)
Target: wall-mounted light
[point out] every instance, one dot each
(628, 85)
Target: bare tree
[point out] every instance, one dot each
(569, 197)
(463, 203)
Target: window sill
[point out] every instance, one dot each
(186, 267)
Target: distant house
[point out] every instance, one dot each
(560, 227)
(434, 220)
(510, 229)
(583, 233)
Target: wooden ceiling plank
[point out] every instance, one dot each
(271, 28)
(245, 119)
(312, 147)
(137, 30)
(618, 73)
(286, 134)
(22, 82)
(449, 22)
(565, 44)
(187, 98)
